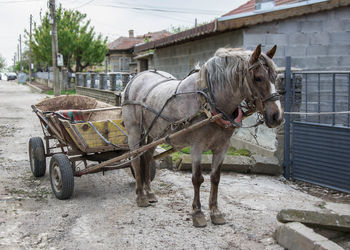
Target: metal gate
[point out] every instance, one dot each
(317, 129)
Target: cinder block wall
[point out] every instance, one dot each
(319, 41)
(180, 59)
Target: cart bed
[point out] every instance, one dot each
(97, 129)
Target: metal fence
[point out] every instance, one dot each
(317, 129)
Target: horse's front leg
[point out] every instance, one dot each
(198, 217)
(216, 216)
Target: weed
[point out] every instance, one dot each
(63, 92)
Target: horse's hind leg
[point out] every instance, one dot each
(198, 217)
(146, 160)
(216, 216)
(133, 141)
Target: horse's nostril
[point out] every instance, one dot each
(276, 116)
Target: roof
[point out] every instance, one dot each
(187, 34)
(244, 19)
(250, 6)
(126, 43)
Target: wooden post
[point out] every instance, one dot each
(30, 48)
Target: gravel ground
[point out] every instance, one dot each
(102, 214)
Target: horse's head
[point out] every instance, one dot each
(261, 86)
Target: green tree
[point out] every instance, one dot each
(77, 41)
(2, 62)
(23, 65)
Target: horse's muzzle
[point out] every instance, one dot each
(273, 119)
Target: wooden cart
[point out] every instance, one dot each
(84, 136)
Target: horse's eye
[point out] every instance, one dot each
(257, 79)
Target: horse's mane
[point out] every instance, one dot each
(227, 67)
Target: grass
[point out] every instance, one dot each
(63, 92)
(231, 151)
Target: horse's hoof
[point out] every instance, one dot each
(199, 220)
(217, 219)
(152, 198)
(142, 201)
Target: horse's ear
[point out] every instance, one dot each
(271, 52)
(255, 55)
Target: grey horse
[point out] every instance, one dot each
(155, 104)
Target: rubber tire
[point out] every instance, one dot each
(152, 170)
(67, 177)
(36, 150)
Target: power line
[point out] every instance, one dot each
(88, 2)
(181, 10)
(20, 1)
(164, 10)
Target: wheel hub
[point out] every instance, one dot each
(57, 178)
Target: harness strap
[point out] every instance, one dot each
(127, 89)
(147, 107)
(154, 86)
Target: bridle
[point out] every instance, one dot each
(254, 99)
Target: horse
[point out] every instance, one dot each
(155, 104)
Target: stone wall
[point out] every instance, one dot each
(180, 59)
(319, 41)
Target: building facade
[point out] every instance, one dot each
(121, 52)
(316, 34)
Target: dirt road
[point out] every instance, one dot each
(102, 213)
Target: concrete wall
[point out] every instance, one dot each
(47, 78)
(319, 41)
(110, 97)
(179, 60)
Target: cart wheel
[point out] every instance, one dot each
(61, 176)
(37, 156)
(152, 170)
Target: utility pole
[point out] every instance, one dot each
(18, 52)
(14, 61)
(20, 47)
(30, 48)
(57, 87)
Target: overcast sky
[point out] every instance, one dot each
(111, 18)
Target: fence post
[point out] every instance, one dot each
(77, 76)
(125, 80)
(112, 82)
(287, 120)
(92, 80)
(102, 80)
(84, 80)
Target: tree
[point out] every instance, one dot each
(23, 65)
(2, 62)
(77, 41)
